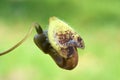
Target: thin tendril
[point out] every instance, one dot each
(21, 41)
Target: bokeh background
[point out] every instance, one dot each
(97, 21)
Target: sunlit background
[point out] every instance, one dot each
(97, 21)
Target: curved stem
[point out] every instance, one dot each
(21, 41)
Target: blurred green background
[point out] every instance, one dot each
(97, 21)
